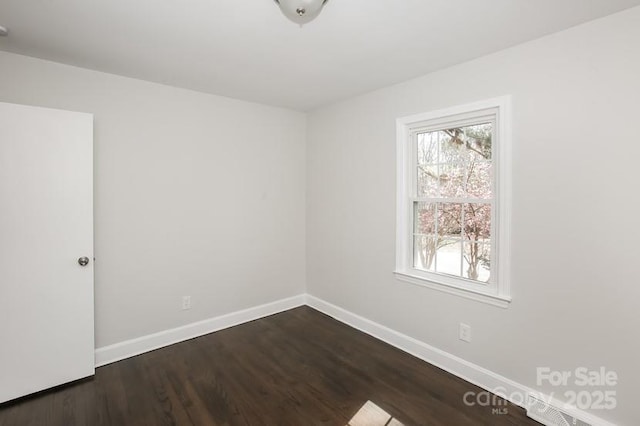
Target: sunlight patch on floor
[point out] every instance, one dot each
(372, 415)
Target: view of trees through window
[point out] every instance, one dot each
(452, 211)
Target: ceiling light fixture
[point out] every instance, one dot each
(3, 31)
(301, 11)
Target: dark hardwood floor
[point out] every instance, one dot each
(296, 368)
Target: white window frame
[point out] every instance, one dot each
(498, 110)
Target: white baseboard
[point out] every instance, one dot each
(481, 377)
(119, 351)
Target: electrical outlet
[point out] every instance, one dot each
(465, 332)
(186, 302)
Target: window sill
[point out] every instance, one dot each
(501, 301)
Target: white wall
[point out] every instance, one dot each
(575, 233)
(194, 195)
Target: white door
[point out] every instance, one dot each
(46, 226)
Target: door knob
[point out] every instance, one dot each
(83, 261)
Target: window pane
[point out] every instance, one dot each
(451, 146)
(477, 262)
(427, 148)
(451, 178)
(465, 144)
(425, 218)
(449, 220)
(427, 181)
(449, 257)
(477, 222)
(424, 252)
(479, 181)
(477, 140)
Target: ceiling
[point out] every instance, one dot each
(246, 49)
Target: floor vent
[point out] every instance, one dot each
(548, 415)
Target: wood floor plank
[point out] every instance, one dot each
(298, 368)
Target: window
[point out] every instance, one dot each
(454, 200)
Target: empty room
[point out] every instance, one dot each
(319, 212)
